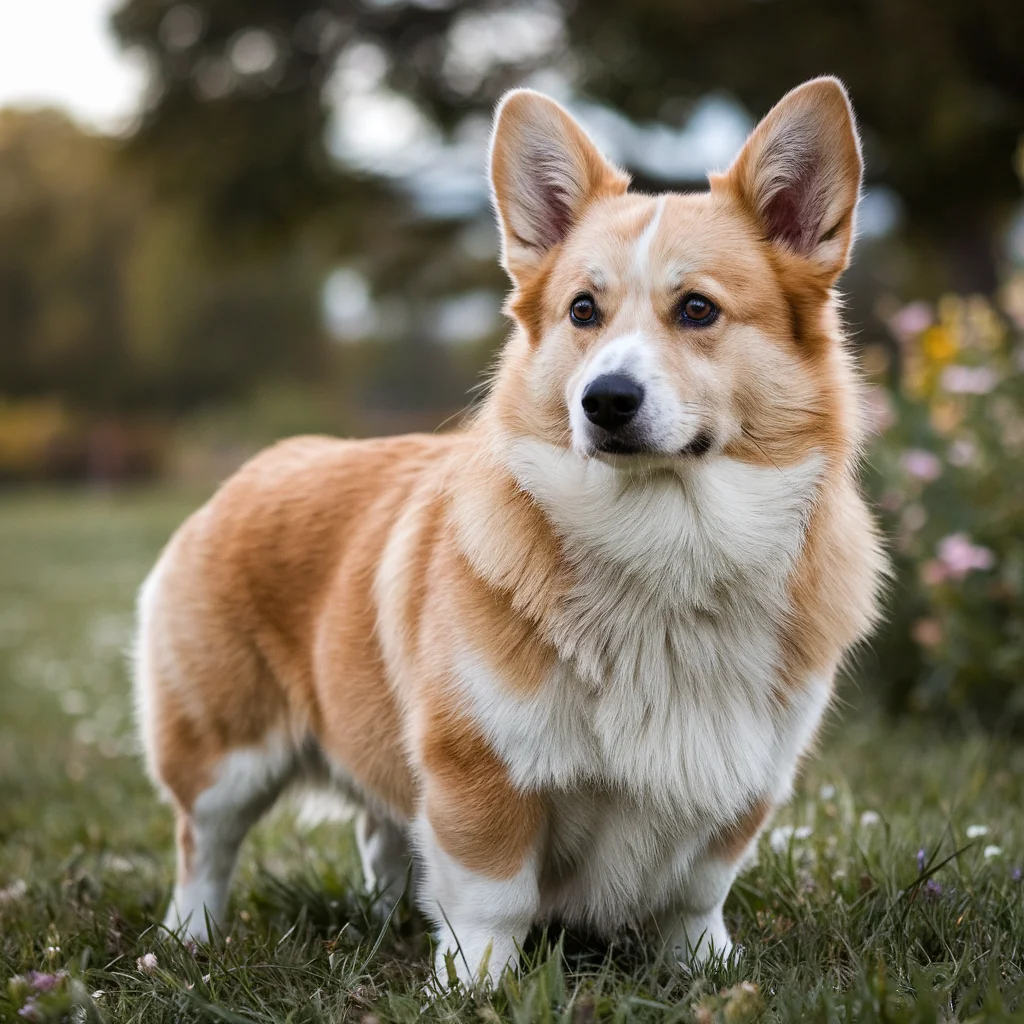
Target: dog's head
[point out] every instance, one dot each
(665, 329)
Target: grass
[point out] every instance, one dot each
(843, 920)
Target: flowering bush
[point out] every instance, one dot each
(947, 471)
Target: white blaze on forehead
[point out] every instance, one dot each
(641, 255)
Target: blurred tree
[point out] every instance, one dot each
(108, 299)
(238, 112)
(938, 86)
(237, 116)
(63, 235)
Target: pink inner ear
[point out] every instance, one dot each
(557, 216)
(794, 212)
(554, 202)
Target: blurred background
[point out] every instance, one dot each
(227, 221)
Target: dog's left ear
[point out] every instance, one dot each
(545, 171)
(799, 173)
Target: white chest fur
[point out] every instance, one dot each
(665, 696)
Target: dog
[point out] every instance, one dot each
(568, 657)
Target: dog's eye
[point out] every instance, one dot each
(697, 310)
(583, 311)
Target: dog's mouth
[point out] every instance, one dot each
(700, 445)
(620, 446)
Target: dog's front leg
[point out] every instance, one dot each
(693, 926)
(477, 837)
(480, 920)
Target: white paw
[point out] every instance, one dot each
(479, 969)
(704, 947)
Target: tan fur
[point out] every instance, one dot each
(325, 591)
(480, 818)
(731, 842)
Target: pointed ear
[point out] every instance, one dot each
(544, 173)
(799, 173)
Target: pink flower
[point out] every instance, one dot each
(922, 464)
(43, 982)
(959, 556)
(969, 380)
(911, 320)
(927, 632)
(934, 572)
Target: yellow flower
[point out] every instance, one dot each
(938, 344)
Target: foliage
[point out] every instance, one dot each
(889, 890)
(949, 478)
(938, 86)
(109, 302)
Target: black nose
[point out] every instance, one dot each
(611, 400)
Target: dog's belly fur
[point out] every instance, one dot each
(613, 860)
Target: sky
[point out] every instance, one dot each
(61, 52)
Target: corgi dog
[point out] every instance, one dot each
(567, 658)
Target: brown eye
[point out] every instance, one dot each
(583, 311)
(698, 310)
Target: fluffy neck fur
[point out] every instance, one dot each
(595, 555)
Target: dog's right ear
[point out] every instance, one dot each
(544, 173)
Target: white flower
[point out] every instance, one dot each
(869, 818)
(147, 964)
(780, 837)
(13, 892)
(827, 792)
(992, 851)
(976, 831)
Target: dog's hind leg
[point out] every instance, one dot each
(212, 722)
(384, 853)
(211, 830)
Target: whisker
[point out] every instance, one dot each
(754, 442)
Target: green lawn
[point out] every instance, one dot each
(839, 922)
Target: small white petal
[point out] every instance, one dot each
(803, 832)
(147, 964)
(976, 831)
(780, 837)
(992, 851)
(869, 818)
(827, 792)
